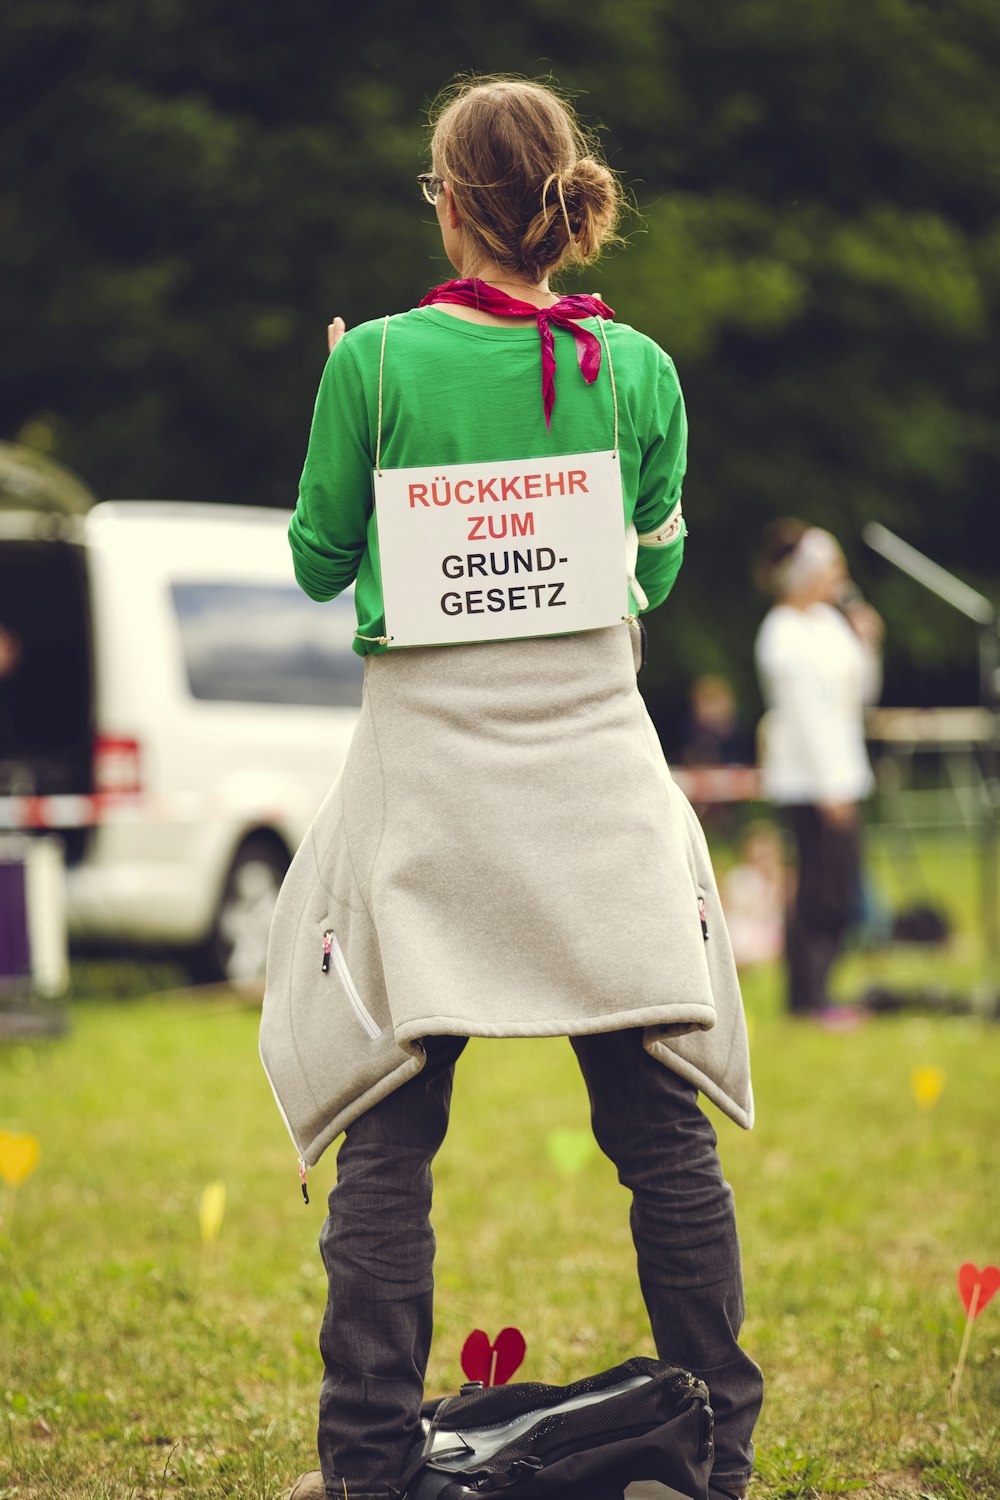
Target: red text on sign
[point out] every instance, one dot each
(496, 526)
(441, 491)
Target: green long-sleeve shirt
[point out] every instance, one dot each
(461, 392)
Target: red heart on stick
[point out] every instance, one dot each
(494, 1363)
(970, 1278)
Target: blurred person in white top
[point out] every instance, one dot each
(818, 656)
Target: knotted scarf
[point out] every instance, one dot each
(471, 292)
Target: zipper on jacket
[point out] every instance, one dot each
(703, 914)
(332, 949)
(288, 1126)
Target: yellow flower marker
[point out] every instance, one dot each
(212, 1211)
(18, 1159)
(927, 1083)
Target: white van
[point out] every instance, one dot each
(176, 708)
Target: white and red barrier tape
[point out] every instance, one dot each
(80, 810)
(701, 784)
(64, 811)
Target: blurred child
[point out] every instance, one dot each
(716, 735)
(755, 896)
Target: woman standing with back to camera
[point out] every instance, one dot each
(504, 853)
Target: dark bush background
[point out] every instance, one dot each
(190, 188)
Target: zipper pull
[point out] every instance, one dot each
(327, 945)
(302, 1180)
(703, 915)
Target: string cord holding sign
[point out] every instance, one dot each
(378, 640)
(378, 432)
(381, 379)
(629, 619)
(387, 639)
(614, 388)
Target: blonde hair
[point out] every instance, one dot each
(528, 186)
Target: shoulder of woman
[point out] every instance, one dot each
(782, 629)
(640, 344)
(357, 354)
(641, 360)
(834, 620)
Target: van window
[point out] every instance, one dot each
(268, 643)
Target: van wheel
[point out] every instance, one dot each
(236, 949)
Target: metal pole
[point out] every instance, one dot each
(954, 592)
(976, 607)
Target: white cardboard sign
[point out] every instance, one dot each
(493, 551)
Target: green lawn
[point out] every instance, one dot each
(134, 1361)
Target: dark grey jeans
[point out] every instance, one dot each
(378, 1248)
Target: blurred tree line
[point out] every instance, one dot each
(191, 188)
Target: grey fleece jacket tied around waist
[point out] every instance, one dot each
(503, 854)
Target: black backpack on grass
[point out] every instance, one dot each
(636, 1432)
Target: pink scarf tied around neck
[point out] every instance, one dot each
(564, 314)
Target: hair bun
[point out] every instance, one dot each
(592, 199)
(590, 183)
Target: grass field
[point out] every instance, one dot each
(136, 1361)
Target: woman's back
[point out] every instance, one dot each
(426, 388)
(468, 392)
